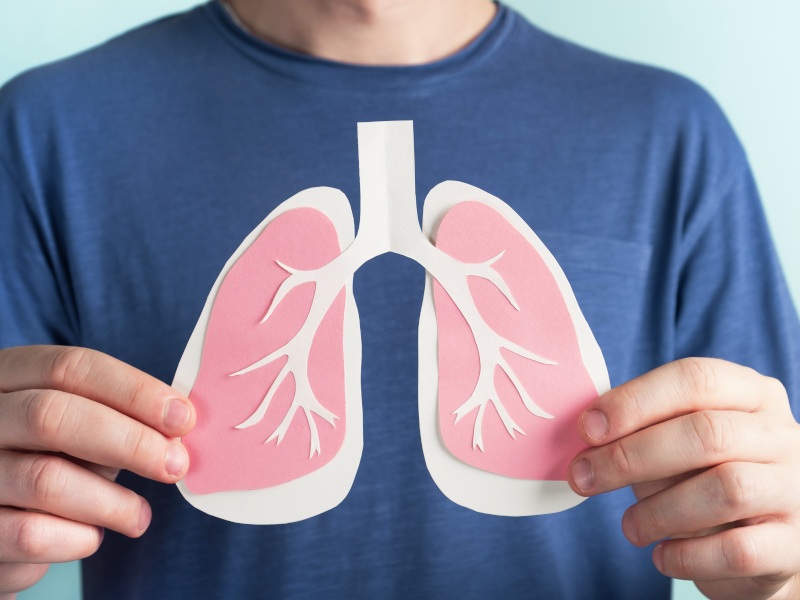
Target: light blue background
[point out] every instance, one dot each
(746, 53)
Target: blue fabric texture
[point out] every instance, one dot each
(130, 173)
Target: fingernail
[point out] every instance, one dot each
(595, 424)
(102, 532)
(176, 414)
(583, 475)
(176, 459)
(145, 515)
(658, 557)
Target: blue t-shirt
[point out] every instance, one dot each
(130, 173)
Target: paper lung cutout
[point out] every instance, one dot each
(507, 361)
(500, 393)
(261, 452)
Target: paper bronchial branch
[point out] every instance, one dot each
(389, 223)
(296, 352)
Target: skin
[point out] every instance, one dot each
(712, 453)
(711, 448)
(367, 32)
(70, 419)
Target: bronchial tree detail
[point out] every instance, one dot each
(297, 353)
(506, 358)
(389, 207)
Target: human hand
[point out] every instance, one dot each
(712, 452)
(70, 419)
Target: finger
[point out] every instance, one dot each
(648, 488)
(694, 441)
(676, 389)
(109, 473)
(718, 496)
(101, 378)
(747, 588)
(33, 537)
(50, 420)
(758, 551)
(60, 487)
(15, 577)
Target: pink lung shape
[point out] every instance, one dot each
(226, 458)
(539, 448)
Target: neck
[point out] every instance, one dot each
(367, 32)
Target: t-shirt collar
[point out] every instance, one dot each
(326, 72)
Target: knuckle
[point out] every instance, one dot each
(137, 445)
(736, 490)
(652, 522)
(713, 432)
(30, 538)
(66, 367)
(114, 506)
(740, 551)
(778, 391)
(634, 402)
(133, 396)
(640, 528)
(46, 414)
(699, 375)
(47, 479)
(683, 562)
(624, 457)
(16, 577)
(122, 511)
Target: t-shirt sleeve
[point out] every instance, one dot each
(733, 300)
(32, 310)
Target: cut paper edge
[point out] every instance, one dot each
(468, 486)
(325, 488)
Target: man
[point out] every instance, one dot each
(131, 172)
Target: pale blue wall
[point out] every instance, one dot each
(746, 53)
